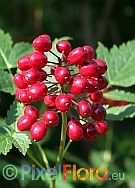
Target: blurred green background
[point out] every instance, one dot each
(88, 21)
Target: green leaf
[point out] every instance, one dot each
(5, 143)
(120, 95)
(120, 61)
(19, 49)
(120, 112)
(15, 111)
(5, 49)
(21, 141)
(6, 82)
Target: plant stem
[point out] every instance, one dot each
(6, 61)
(44, 157)
(34, 160)
(66, 148)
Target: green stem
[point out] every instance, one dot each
(34, 159)
(6, 61)
(44, 157)
(66, 148)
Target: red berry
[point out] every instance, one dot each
(89, 69)
(78, 85)
(90, 52)
(23, 63)
(31, 76)
(102, 82)
(42, 43)
(31, 111)
(102, 66)
(38, 91)
(77, 56)
(37, 60)
(63, 46)
(23, 96)
(62, 75)
(25, 123)
(38, 131)
(93, 85)
(101, 126)
(19, 81)
(84, 108)
(51, 118)
(63, 103)
(98, 112)
(42, 75)
(89, 131)
(74, 130)
(49, 100)
(96, 97)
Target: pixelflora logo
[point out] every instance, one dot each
(63, 172)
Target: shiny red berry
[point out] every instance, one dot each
(84, 108)
(77, 56)
(51, 118)
(37, 60)
(96, 97)
(23, 63)
(78, 85)
(63, 103)
(25, 123)
(23, 96)
(31, 111)
(98, 112)
(62, 75)
(90, 51)
(37, 91)
(31, 76)
(38, 131)
(102, 66)
(63, 46)
(90, 131)
(93, 85)
(49, 100)
(102, 82)
(74, 130)
(42, 43)
(101, 126)
(89, 69)
(42, 75)
(19, 81)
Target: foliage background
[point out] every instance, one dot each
(89, 21)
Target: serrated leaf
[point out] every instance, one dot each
(120, 112)
(120, 95)
(15, 111)
(19, 49)
(5, 49)
(120, 61)
(21, 141)
(5, 143)
(6, 82)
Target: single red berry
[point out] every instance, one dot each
(77, 56)
(25, 123)
(38, 131)
(49, 100)
(42, 75)
(19, 81)
(93, 85)
(63, 103)
(102, 82)
(96, 97)
(31, 111)
(37, 91)
(101, 126)
(53, 68)
(98, 112)
(31, 76)
(37, 60)
(63, 46)
(62, 75)
(42, 43)
(74, 130)
(102, 66)
(23, 63)
(23, 96)
(89, 69)
(51, 118)
(90, 51)
(78, 85)
(84, 108)
(90, 131)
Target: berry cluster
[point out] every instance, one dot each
(79, 82)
